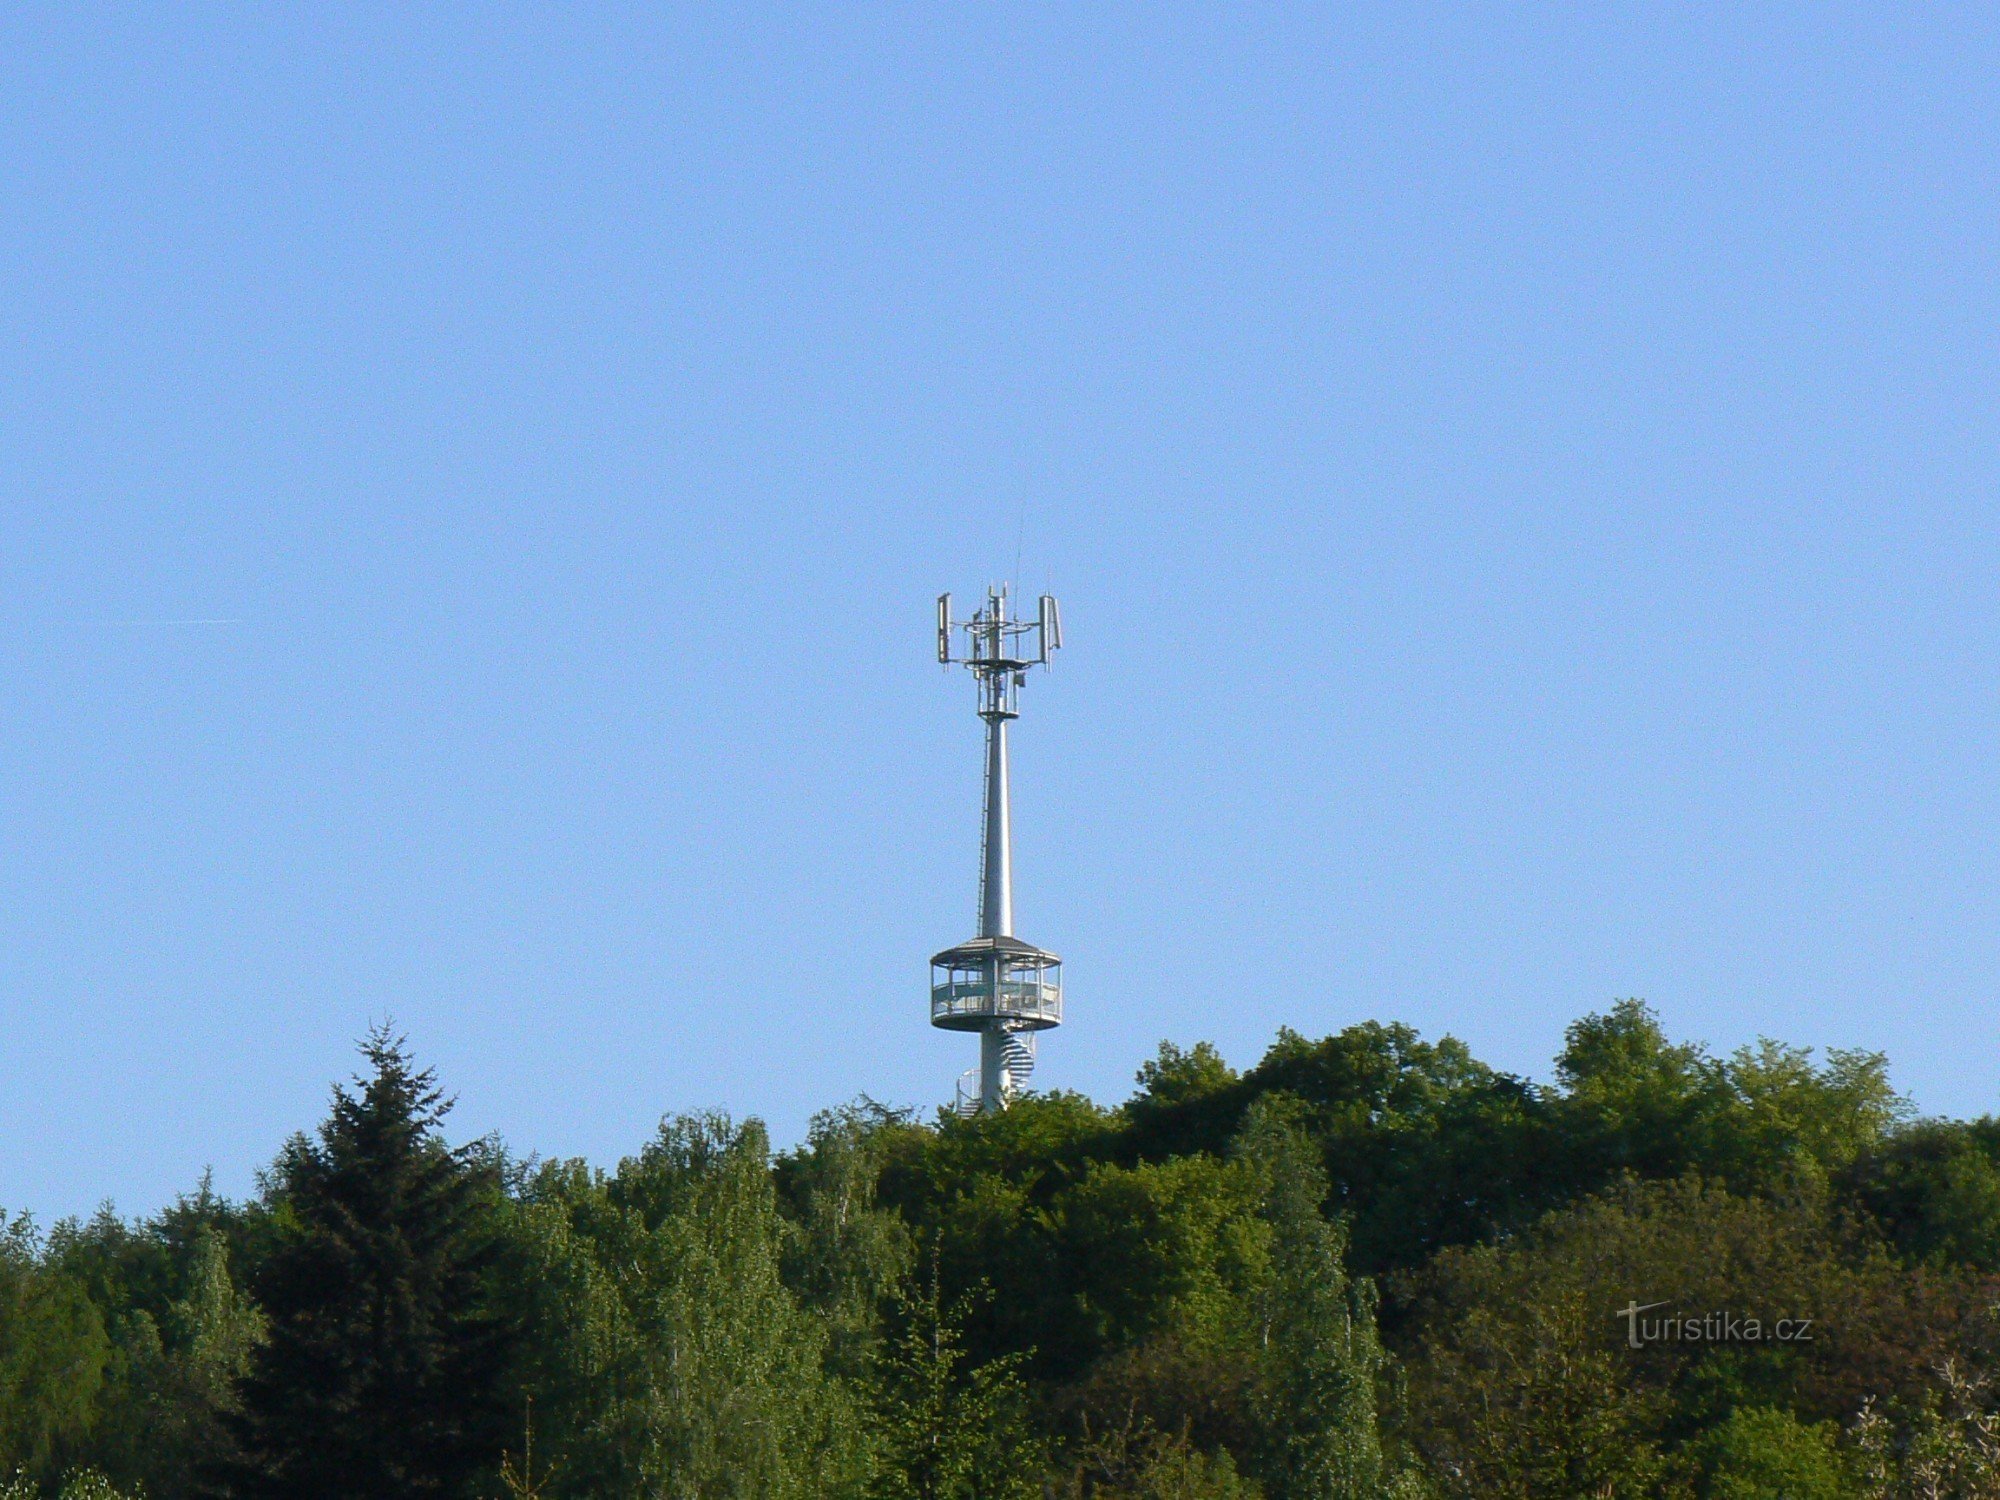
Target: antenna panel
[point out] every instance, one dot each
(1051, 626)
(944, 627)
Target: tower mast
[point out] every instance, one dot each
(997, 985)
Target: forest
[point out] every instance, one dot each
(1368, 1266)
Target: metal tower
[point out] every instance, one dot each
(995, 984)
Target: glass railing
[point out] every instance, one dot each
(1039, 999)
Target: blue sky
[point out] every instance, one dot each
(1521, 483)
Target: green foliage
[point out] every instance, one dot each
(81, 1484)
(1423, 1145)
(1765, 1453)
(1523, 1402)
(1522, 1363)
(981, 1191)
(1174, 1076)
(670, 1357)
(164, 1425)
(383, 1365)
(1786, 1118)
(1173, 1300)
(845, 1256)
(91, 1485)
(54, 1354)
(1187, 1101)
(1160, 1262)
(948, 1428)
(1766, 1119)
(1935, 1190)
(1037, 1144)
(1159, 1248)
(1947, 1448)
(1316, 1329)
(1136, 1461)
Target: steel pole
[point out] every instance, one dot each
(996, 881)
(996, 905)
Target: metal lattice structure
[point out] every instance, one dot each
(995, 984)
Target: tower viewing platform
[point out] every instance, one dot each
(996, 979)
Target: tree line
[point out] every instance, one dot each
(1368, 1268)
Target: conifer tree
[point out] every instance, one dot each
(382, 1371)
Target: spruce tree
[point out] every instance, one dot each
(382, 1374)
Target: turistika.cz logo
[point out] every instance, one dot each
(1710, 1328)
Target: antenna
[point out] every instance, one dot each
(995, 984)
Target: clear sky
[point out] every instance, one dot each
(1520, 480)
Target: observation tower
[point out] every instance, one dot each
(995, 984)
